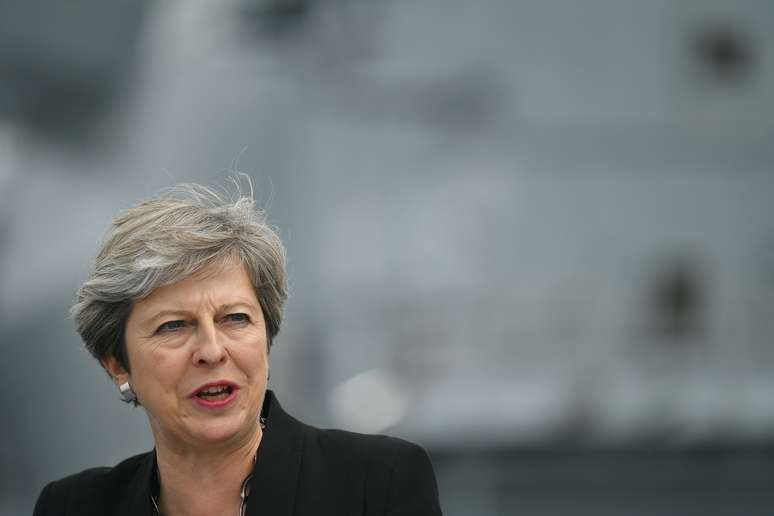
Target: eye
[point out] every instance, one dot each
(170, 326)
(237, 318)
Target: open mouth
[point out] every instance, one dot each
(215, 392)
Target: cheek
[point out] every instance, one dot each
(252, 355)
(158, 373)
(253, 364)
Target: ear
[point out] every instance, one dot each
(115, 370)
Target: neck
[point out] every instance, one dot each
(204, 482)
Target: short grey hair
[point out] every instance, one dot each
(167, 238)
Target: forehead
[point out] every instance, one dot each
(215, 285)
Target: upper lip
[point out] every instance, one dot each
(218, 383)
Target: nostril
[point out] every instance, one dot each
(204, 357)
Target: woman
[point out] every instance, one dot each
(181, 308)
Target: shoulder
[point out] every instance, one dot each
(87, 490)
(399, 474)
(379, 451)
(340, 449)
(345, 472)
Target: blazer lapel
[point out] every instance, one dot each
(137, 502)
(273, 487)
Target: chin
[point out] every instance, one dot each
(219, 431)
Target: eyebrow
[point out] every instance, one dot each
(229, 306)
(165, 313)
(185, 313)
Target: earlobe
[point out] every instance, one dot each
(121, 378)
(115, 370)
(127, 394)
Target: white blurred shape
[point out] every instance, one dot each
(369, 402)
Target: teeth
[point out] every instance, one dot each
(214, 390)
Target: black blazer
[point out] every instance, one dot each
(301, 470)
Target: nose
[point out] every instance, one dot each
(209, 351)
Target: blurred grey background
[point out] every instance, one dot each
(534, 236)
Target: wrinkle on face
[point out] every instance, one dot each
(168, 365)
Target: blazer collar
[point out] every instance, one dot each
(139, 489)
(273, 487)
(275, 476)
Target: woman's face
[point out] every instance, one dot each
(198, 356)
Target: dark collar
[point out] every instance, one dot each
(273, 487)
